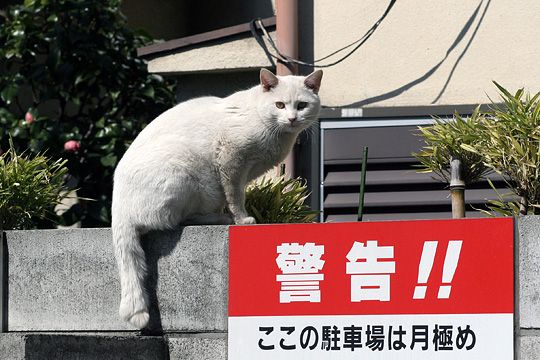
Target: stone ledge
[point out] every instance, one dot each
(62, 280)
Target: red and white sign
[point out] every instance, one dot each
(439, 289)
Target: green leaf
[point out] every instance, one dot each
(100, 123)
(109, 160)
(10, 53)
(468, 147)
(9, 92)
(149, 91)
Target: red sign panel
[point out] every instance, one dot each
(426, 268)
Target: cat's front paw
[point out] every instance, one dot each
(245, 220)
(134, 310)
(140, 319)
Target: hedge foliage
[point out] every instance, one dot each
(71, 84)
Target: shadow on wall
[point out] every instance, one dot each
(215, 84)
(171, 19)
(216, 14)
(154, 251)
(457, 41)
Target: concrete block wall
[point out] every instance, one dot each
(66, 280)
(63, 294)
(528, 288)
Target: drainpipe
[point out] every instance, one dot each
(287, 42)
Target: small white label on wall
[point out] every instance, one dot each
(351, 112)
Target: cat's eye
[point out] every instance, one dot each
(280, 105)
(301, 105)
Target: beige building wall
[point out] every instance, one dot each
(428, 52)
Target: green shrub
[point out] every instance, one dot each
(279, 200)
(30, 187)
(505, 139)
(503, 205)
(510, 145)
(71, 84)
(445, 140)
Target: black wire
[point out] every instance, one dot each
(287, 59)
(260, 41)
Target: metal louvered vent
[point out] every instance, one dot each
(394, 190)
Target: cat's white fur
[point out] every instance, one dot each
(194, 160)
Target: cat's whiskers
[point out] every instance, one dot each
(275, 131)
(310, 131)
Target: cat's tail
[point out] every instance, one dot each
(132, 266)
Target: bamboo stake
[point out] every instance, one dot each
(457, 189)
(523, 205)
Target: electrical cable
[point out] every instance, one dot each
(287, 59)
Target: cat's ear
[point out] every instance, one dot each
(268, 80)
(313, 81)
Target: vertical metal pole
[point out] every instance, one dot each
(321, 174)
(287, 42)
(362, 185)
(3, 282)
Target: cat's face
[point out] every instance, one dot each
(290, 103)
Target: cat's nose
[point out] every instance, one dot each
(292, 120)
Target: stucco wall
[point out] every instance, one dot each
(241, 54)
(428, 52)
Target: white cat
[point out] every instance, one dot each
(194, 160)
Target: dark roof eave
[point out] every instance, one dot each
(172, 45)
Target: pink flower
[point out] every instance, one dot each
(72, 145)
(29, 118)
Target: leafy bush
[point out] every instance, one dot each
(279, 200)
(505, 140)
(503, 205)
(510, 145)
(71, 84)
(445, 140)
(30, 187)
